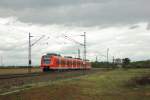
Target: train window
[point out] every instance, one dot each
(70, 63)
(63, 62)
(67, 62)
(74, 63)
(79, 63)
(46, 60)
(57, 61)
(82, 63)
(46, 57)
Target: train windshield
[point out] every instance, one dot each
(46, 59)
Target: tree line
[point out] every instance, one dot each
(125, 63)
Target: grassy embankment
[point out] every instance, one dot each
(117, 84)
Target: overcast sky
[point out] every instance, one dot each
(123, 26)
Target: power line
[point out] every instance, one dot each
(37, 40)
(68, 38)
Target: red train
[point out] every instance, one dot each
(53, 61)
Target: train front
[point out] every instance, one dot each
(46, 62)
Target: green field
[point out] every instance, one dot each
(118, 84)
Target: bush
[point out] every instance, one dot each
(103, 65)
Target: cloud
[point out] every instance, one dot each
(120, 25)
(148, 26)
(47, 3)
(134, 27)
(14, 37)
(77, 12)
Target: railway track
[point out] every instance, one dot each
(10, 76)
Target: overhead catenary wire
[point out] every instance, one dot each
(84, 44)
(68, 38)
(29, 52)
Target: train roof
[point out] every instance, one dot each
(78, 58)
(53, 54)
(67, 57)
(58, 55)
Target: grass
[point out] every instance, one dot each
(112, 85)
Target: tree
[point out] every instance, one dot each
(125, 62)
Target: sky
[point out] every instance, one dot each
(123, 26)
